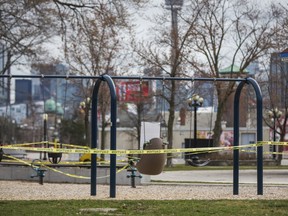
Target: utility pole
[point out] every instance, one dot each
(174, 6)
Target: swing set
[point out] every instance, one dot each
(147, 163)
(153, 164)
(109, 80)
(53, 157)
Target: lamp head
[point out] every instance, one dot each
(45, 116)
(201, 100)
(189, 102)
(195, 97)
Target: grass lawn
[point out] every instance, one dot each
(146, 207)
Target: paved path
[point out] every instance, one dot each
(279, 176)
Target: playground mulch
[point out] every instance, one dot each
(24, 190)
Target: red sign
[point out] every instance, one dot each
(132, 91)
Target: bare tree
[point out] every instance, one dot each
(246, 28)
(24, 25)
(276, 104)
(276, 115)
(93, 48)
(171, 64)
(211, 34)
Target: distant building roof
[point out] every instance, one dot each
(232, 69)
(51, 107)
(284, 54)
(285, 51)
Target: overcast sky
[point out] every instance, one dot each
(141, 20)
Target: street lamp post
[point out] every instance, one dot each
(195, 101)
(45, 117)
(85, 107)
(275, 114)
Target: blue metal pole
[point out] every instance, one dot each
(236, 139)
(120, 77)
(259, 134)
(195, 126)
(94, 137)
(112, 88)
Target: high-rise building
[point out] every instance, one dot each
(4, 82)
(278, 78)
(23, 91)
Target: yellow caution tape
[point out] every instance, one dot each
(272, 143)
(124, 152)
(266, 152)
(26, 144)
(85, 149)
(78, 176)
(40, 163)
(48, 143)
(118, 152)
(17, 159)
(67, 174)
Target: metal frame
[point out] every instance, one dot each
(259, 136)
(109, 80)
(94, 137)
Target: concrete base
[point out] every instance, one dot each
(241, 163)
(284, 162)
(12, 172)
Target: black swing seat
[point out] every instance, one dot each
(196, 162)
(152, 164)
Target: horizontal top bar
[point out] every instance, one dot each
(41, 76)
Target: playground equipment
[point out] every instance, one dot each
(195, 161)
(148, 164)
(40, 172)
(1, 154)
(152, 164)
(55, 157)
(110, 83)
(55, 109)
(132, 171)
(86, 157)
(109, 80)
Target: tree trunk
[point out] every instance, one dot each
(223, 93)
(170, 136)
(171, 123)
(217, 129)
(218, 126)
(103, 138)
(280, 155)
(281, 147)
(87, 128)
(103, 133)
(139, 119)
